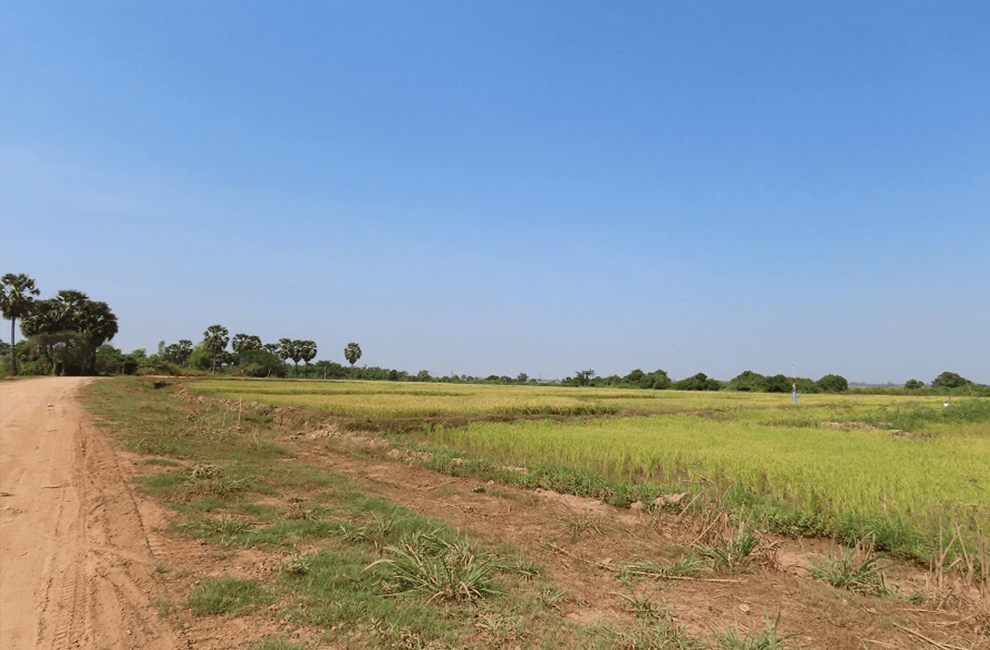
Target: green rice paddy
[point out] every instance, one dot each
(829, 454)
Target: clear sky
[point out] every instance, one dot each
(514, 186)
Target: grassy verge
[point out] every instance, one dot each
(360, 570)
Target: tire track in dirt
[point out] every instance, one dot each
(76, 559)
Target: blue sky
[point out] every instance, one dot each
(505, 187)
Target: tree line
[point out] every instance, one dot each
(69, 334)
(248, 356)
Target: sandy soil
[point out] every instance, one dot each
(75, 554)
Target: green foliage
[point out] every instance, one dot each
(918, 417)
(17, 292)
(430, 565)
(215, 340)
(732, 554)
(258, 362)
(200, 358)
(950, 380)
(352, 353)
(178, 353)
(583, 377)
(844, 572)
(67, 331)
(833, 384)
(779, 384)
(807, 386)
(225, 595)
(749, 381)
(241, 343)
(699, 381)
(914, 384)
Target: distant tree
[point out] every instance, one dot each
(424, 375)
(200, 358)
(71, 326)
(306, 350)
(243, 342)
(522, 378)
(258, 362)
(178, 353)
(16, 301)
(583, 377)
(352, 353)
(833, 384)
(285, 349)
(700, 381)
(778, 384)
(295, 353)
(914, 384)
(99, 325)
(949, 380)
(635, 376)
(749, 381)
(658, 380)
(215, 340)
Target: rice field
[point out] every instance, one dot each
(761, 442)
(377, 399)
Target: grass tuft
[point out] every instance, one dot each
(844, 572)
(439, 569)
(732, 638)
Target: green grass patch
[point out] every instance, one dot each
(226, 595)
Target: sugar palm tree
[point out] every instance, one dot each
(16, 300)
(98, 324)
(307, 350)
(352, 353)
(215, 340)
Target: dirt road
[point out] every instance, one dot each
(76, 559)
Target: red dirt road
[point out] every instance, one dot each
(76, 559)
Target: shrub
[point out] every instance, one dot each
(950, 380)
(833, 384)
(779, 384)
(699, 381)
(749, 381)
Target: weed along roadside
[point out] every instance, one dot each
(288, 527)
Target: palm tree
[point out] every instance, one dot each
(244, 342)
(16, 301)
(352, 353)
(215, 340)
(98, 324)
(307, 350)
(284, 350)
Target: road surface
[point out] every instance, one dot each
(76, 559)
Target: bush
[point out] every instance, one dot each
(949, 380)
(833, 384)
(807, 386)
(698, 382)
(914, 384)
(261, 363)
(749, 381)
(779, 384)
